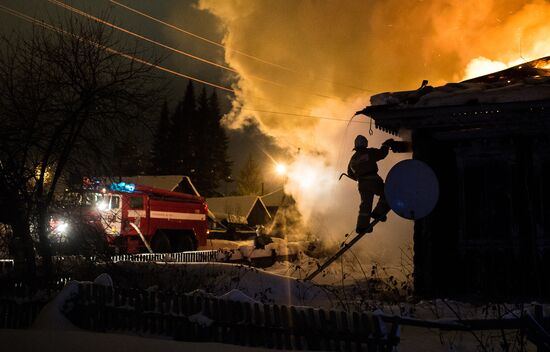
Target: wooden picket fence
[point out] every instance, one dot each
(18, 314)
(20, 303)
(198, 318)
(179, 257)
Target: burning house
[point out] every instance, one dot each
(488, 141)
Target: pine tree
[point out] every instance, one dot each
(195, 143)
(204, 178)
(249, 181)
(212, 163)
(222, 169)
(181, 137)
(160, 160)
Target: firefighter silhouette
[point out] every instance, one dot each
(362, 168)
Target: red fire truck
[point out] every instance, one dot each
(137, 218)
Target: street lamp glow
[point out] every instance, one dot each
(280, 169)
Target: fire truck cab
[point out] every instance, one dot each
(138, 218)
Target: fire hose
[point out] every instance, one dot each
(141, 236)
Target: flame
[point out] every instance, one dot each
(543, 64)
(481, 66)
(522, 38)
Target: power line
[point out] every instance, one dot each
(111, 50)
(303, 115)
(97, 19)
(141, 13)
(181, 52)
(161, 68)
(198, 36)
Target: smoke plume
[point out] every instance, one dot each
(325, 58)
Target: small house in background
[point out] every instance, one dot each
(488, 141)
(239, 210)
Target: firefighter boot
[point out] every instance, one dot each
(381, 210)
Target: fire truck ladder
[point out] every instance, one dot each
(342, 250)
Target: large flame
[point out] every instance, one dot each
(321, 52)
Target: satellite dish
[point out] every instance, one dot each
(412, 189)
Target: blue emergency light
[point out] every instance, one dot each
(123, 187)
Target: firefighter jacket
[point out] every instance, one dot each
(363, 162)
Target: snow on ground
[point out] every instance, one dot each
(85, 341)
(245, 249)
(279, 284)
(50, 317)
(221, 278)
(53, 332)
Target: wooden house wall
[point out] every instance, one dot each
(489, 234)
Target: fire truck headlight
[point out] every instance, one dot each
(62, 228)
(102, 206)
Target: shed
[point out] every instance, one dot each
(488, 141)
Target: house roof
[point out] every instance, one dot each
(236, 207)
(529, 81)
(186, 186)
(163, 182)
(277, 198)
(502, 97)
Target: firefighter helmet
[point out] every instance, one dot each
(360, 142)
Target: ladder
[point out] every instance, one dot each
(341, 251)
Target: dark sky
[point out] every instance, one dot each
(182, 13)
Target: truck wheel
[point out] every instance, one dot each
(161, 243)
(185, 243)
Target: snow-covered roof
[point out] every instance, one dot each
(529, 81)
(234, 208)
(186, 186)
(518, 97)
(168, 182)
(277, 198)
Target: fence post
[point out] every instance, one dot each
(279, 332)
(346, 333)
(287, 326)
(268, 327)
(370, 328)
(356, 330)
(314, 335)
(246, 330)
(257, 326)
(323, 330)
(295, 328)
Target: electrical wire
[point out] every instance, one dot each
(303, 115)
(178, 51)
(97, 19)
(141, 13)
(161, 68)
(111, 50)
